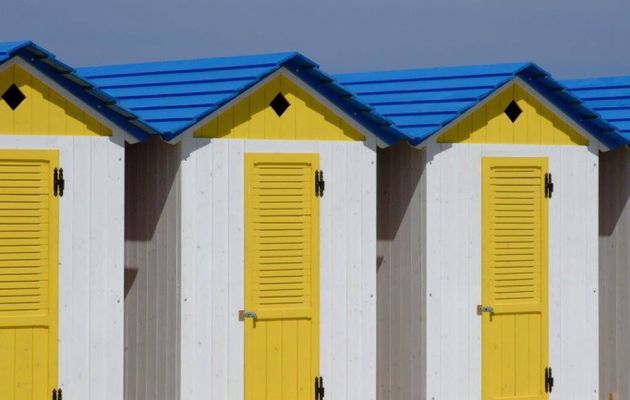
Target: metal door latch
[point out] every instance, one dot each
(548, 380)
(242, 314)
(484, 309)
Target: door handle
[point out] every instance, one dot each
(484, 309)
(242, 314)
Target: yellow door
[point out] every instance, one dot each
(281, 276)
(514, 294)
(28, 275)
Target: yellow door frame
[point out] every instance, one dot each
(493, 309)
(270, 314)
(50, 321)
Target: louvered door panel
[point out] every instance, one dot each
(28, 274)
(514, 278)
(281, 276)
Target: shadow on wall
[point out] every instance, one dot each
(150, 183)
(400, 169)
(614, 188)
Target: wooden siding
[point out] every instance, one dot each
(401, 289)
(91, 259)
(454, 268)
(43, 111)
(253, 118)
(212, 269)
(152, 272)
(614, 264)
(535, 125)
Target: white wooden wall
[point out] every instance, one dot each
(212, 266)
(91, 241)
(454, 268)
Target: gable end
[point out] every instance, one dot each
(42, 110)
(254, 117)
(513, 115)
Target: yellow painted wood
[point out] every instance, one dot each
(43, 111)
(28, 275)
(281, 276)
(514, 278)
(305, 119)
(536, 125)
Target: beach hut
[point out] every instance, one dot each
(251, 236)
(487, 234)
(62, 157)
(611, 98)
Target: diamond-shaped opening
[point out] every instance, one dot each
(13, 97)
(513, 111)
(279, 104)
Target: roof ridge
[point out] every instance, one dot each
(440, 68)
(605, 77)
(287, 54)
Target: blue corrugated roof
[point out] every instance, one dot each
(172, 96)
(609, 96)
(420, 102)
(167, 98)
(47, 63)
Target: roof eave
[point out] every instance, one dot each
(65, 76)
(562, 98)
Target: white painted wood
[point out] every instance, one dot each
(91, 246)
(454, 268)
(236, 272)
(196, 261)
(219, 266)
(367, 275)
(212, 265)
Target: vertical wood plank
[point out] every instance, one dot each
(236, 149)
(338, 272)
(219, 267)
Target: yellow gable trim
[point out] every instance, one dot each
(305, 119)
(536, 125)
(43, 111)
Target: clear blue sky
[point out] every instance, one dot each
(570, 38)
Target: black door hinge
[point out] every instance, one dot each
(320, 185)
(548, 380)
(59, 183)
(319, 388)
(548, 185)
(57, 395)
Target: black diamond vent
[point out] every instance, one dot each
(513, 111)
(13, 97)
(279, 104)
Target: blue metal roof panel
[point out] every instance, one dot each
(172, 96)
(187, 66)
(421, 102)
(8, 48)
(608, 96)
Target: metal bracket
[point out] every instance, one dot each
(319, 388)
(320, 184)
(59, 183)
(548, 185)
(484, 309)
(548, 380)
(57, 394)
(242, 314)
